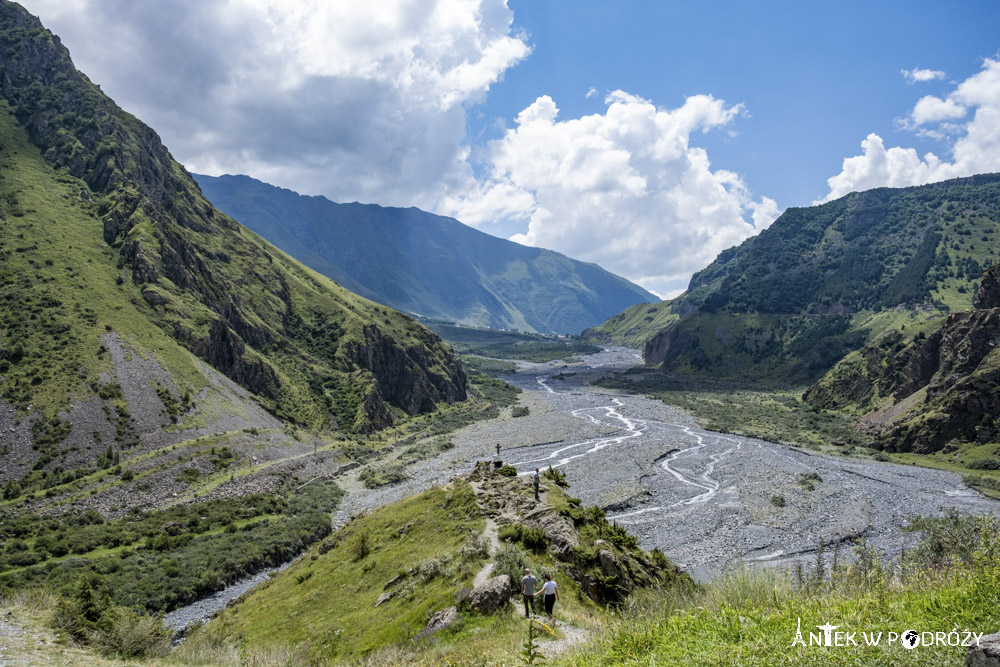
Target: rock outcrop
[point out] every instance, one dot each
(490, 596)
(607, 569)
(947, 383)
(439, 621)
(984, 654)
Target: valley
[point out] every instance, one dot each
(707, 499)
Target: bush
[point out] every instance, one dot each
(809, 480)
(983, 464)
(778, 501)
(508, 471)
(373, 479)
(510, 560)
(531, 538)
(476, 547)
(362, 546)
(557, 476)
(519, 411)
(127, 634)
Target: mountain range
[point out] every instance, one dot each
(425, 264)
(138, 318)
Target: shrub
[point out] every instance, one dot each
(508, 471)
(983, 464)
(519, 411)
(778, 501)
(128, 634)
(557, 476)
(809, 480)
(362, 546)
(510, 560)
(531, 538)
(373, 479)
(476, 547)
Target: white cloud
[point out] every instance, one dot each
(974, 144)
(591, 92)
(931, 109)
(917, 75)
(353, 100)
(624, 189)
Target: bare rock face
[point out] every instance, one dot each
(988, 295)
(439, 621)
(491, 596)
(986, 654)
(224, 349)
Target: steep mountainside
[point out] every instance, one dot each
(822, 280)
(427, 264)
(927, 389)
(134, 313)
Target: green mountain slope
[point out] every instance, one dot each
(427, 264)
(926, 389)
(823, 280)
(136, 314)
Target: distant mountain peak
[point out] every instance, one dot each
(430, 265)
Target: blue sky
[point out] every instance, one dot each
(644, 136)
(816, 78)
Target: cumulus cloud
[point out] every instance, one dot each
(917, 75)
(625, 188)
(353, 100)
(974, 144)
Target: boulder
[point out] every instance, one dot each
(490, 596)
(986, 653)
(385, 597)
(439, 621)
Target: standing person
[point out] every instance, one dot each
(550, 595)
(536, 479)
(528, 592)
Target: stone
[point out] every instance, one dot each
(986, 653)
(385, 597)
(490, 596)
(439, 621)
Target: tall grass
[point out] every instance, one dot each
(749, 616)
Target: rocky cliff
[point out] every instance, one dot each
(925, 391)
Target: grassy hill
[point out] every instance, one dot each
(368, 590)
(427, 264)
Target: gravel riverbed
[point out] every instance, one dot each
(704, 498)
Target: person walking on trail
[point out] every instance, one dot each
(528, 582)
(535, 480)
(550, 595)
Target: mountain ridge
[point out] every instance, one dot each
(429, 265)
(138, 318)
(831, 275)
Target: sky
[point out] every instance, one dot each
(646, 137)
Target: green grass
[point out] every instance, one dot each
(325, 603)
(750, 617)
(743, 408)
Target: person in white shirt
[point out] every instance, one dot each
(549, 591)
